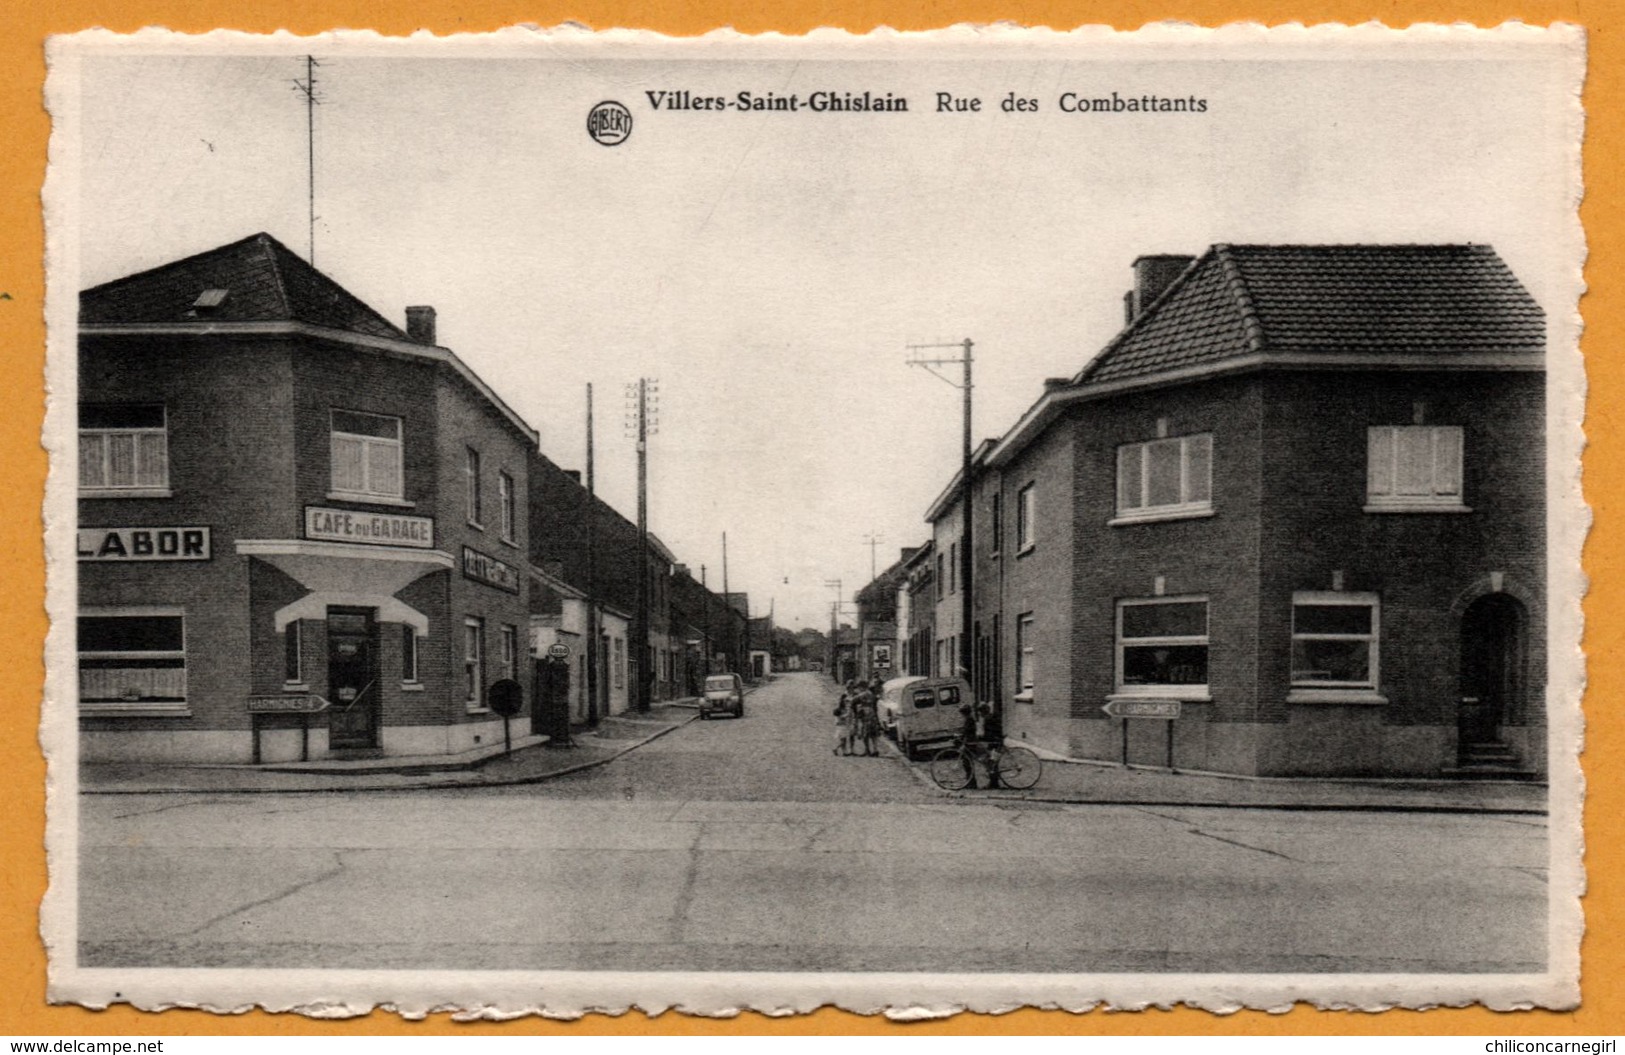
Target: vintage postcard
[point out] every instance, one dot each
(551, 520)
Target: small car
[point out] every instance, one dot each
(724, 694)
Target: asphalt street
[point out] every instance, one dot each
(748, 845)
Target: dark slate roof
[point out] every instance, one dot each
(264, 281)
(1239, 300)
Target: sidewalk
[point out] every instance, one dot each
(1067, 781)
(612, 738)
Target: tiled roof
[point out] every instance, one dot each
(1239, 300)
(264, 281)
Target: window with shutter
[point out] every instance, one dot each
(1414, 468)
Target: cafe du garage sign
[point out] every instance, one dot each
(372, 529)
(144, 543)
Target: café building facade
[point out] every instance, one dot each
(301, 527)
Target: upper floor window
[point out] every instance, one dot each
(1165, 478)
(123, 450)
(1162, 646)
(1334, 640)
(471, 478)
(366, 455)
(1413, 467)
(1026, 515)
(506, 500)
(953, 567)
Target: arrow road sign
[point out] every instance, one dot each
(1142, 708)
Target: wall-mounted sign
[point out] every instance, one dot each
(558, 650)
(144, 543)
(372, 529)
(492, 572)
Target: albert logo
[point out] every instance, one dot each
(609, 123)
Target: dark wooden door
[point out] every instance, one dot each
(1491, 666)
(352, 678)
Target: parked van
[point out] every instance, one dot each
(724, 694)
(928, 713)
(891, 701)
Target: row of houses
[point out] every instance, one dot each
(1290, 520)
(305, 532)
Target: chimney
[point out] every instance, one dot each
(1052, 383)
(420, 323)
(1152, 276)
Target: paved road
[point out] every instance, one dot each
(747, 845)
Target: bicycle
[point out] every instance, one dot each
(1017, 768)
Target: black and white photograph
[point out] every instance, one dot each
(554, 520)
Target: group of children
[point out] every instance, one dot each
(857, 719)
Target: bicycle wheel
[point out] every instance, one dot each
(1019, 768)
(951, 769)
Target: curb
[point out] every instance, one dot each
(990, 795)
(535, 778)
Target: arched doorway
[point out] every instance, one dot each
(1493, 643)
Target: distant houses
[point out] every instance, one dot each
(1289, 521)
(307, 532)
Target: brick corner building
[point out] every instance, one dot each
(1290, 521)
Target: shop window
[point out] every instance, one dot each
(366, 456)
(132, 660)
(471, 480)
(1026, 658)
(1413, 467)
(123, 451)
(1165, 478)
(474, 662)
(506, 499)
(1026, 518)
(1162, 646)
(1334, 640)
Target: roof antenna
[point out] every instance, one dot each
(307, 88)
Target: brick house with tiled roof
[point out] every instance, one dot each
(1299, 502)
(301, 527)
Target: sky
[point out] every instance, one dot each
(771, 270)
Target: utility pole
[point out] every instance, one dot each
(967, 657)
(644, 423)
(307, 88)
(834, 646)
(728, 602)
(872, 540)
(593, 656)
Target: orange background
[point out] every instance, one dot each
(23, 1009)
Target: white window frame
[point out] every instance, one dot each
(510, 651)
(1026, 658)
(1026, 518)
(473, 494)
(1192, 691)
(410, 657)
(1316, 691)
(156, 482)
(1134, 469)
(505, 499)
(388, 492)
(1447, 455)
(474, 663)
(293, 647)
(137, 707)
